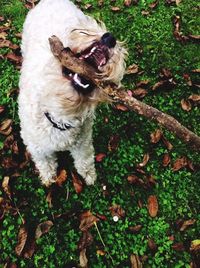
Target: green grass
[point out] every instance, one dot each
(177, 192)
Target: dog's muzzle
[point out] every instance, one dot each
(100, 51)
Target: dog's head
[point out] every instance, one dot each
(98, 47)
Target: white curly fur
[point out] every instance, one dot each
(44, 89)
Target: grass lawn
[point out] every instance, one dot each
(125, 182)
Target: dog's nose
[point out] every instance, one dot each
(109, 40)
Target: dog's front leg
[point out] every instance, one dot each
(83, 154)
(47, 166)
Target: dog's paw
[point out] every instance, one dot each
(90, 178)
(48, 182)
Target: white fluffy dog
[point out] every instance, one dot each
(56, 106)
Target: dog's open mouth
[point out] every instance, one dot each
(96, 55)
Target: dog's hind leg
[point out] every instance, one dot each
(83, 154)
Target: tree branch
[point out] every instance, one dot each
(67, 59)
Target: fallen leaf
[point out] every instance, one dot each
(167, 143)
(43, 228)
(166, 160)
(186, 105)
(156, 136)
(178, 246)
(145, 12)
(152, 206)
(78, 185)
(87, 220)
(152, 245)
(113, 143)
(160, 84)
(49, 199)
(135, 261)
(100, 3)
(194, 37)
(6, 127)
(186, 224)
(135, 229)
(133, 179)
(6, 187)
(132, 69)
(121, 107)
(88, 6)
(101, 252)
(83, 259)
(144, 161)
(13, 57)
(99, 157)
(195, 98)
(115, 9)
(154, 4)
(116, 210)
(2, 109)
(143, 83)
(62, 177)
(139, 92)
(178, 2)
(22, 238)
(165, 73)
(8, 142)
(85, 240)
(127, 3)
(195, 245)
(180, 163)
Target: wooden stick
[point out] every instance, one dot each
(68, 59)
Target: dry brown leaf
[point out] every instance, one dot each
(121, 107)
(143, 83)
(13, 57)
(101, 252)
(195, 245)
(132, 69)
(85, 240)
(144, 161)
(139, 92)
(113, 143)
(152, 245)
(145, 12)
(83, 259)
(62, 177)
(166, 160)
(43, 228)
(135, 261)
(186, 105)
(78, 185)
(115, 9)
(22, 238)
(99, 157)
(6, 127)
(2, 108)
(88, 6)
(194, 37)
(159, 84)
(165, 73)
(152, 206)
(116, 210)
(195, 98)
(87, 220)
(186, 224)
(133, 179)
(154, 4)
(6, 187)
(178, 246)
(197, 71)
(156, 136)
(127, 3)
(178, 2)
(49, 199)
(167, 143)
(100, 3)
(180, 163)
(135, 229)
